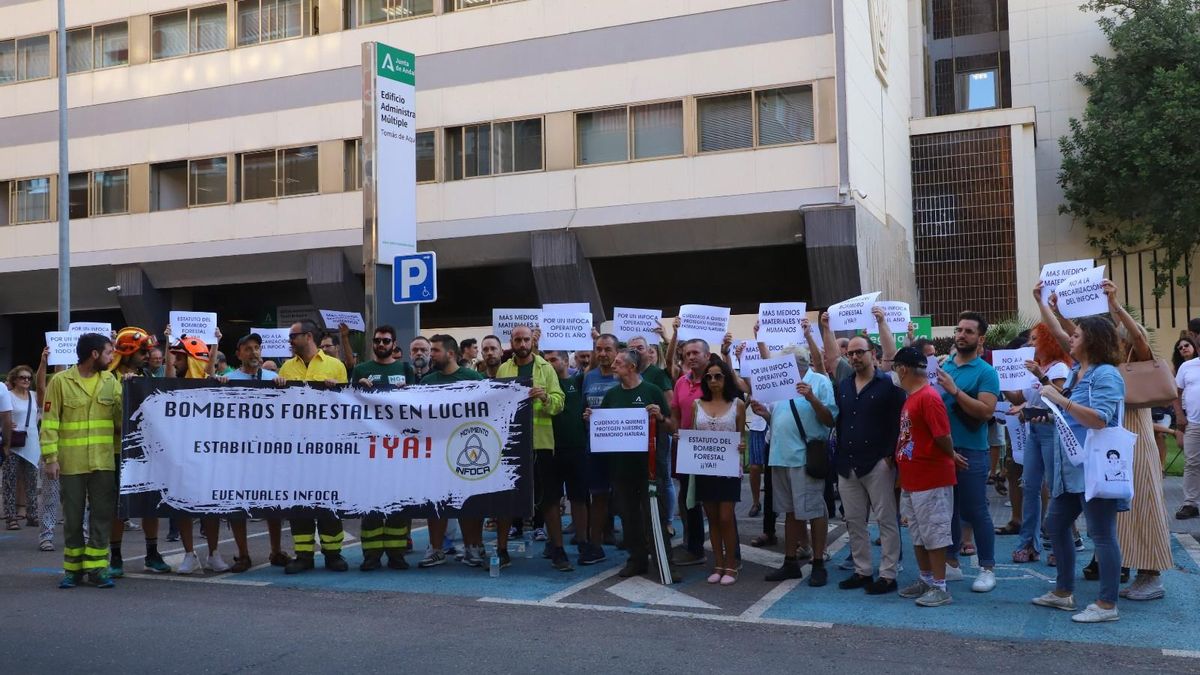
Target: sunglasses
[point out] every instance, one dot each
(714, 376)
(293, 336)
(383, 341)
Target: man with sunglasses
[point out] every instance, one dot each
(385, 368)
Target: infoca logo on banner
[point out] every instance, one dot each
(473, 451)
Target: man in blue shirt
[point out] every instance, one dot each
(970, 389)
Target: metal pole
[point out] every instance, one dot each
(370, 186)
(64, 215)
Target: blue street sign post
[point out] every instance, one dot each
(414, 279)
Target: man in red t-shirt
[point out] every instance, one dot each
(926, 459)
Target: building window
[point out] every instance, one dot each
(208, 181)
(977, 91)
(169, 186)
(25, 59)
(458, 5)
(352, 161)
(188, 31)
(110, 192)
(486, 149)
(602, 136)
(966, 47)
(79, 50)
(657, 129)
(29, 200)
(269, 20)
(426, 156)
(77, 196)
(785, 115)
(111, 45)
(366, 12)
(279, 173)
(726, 122)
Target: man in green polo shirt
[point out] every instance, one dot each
(385, 368)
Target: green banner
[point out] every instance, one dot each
(395, 64)
(924, 330)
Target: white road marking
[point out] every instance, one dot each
(662, 612)
(1182, 653)
(580, 586)
(1189, 544)
(646, 592)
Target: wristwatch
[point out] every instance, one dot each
(1044, 379)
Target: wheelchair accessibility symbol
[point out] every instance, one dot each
(473, 451)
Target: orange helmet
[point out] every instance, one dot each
(192, 346)
(131, 340)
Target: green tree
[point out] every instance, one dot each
(1131, 166)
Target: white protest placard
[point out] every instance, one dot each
(896, 314)
(630, 322)
(774, 379)
(1056, 272)
(62, 347)
(619, 430)
(504, 320)
(705, 323)
(1083, 294)
(334, 319)
(201, 325)
(815, 332)
(566, 331)
(1018, 435)
(568, 307)
(1010, 366)
(1071, 446)
(781, 322)
(751, 356)
(709, 453)
(931, 371)
(275, 342)
(78, 328)
(854, 314)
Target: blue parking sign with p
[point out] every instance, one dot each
(414, 278)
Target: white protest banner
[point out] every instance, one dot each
(1010, 366)
(62, 348)
(774, 379)
(333, 319)
(630, 322)
(220, 449)
(705, 323)
(709, 453)
(568, 307)
(751, 356)
(1083, 294)
(931, 371)
(780, 322)
(201, 325)
(853, 314)
(566, 331)
(275, 342)
(1056, 272)
(619, 430)
(504, 320)
(1071, 446)
(78, 328)
(896, 314)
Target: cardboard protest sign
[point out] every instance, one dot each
(275, 342)
(630, 322)
(1055, 273)
(853, 314)
(1010, 366)
(333, 319)
(1083, 294)
(504, 320)
(709, 453)
(566, 331)
(62, 348)
(619, 430)
(896, 314)
(202, 325)
(781, 322)
(774, 379)
(704, 322)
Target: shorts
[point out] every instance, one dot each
(929, 513)
(598, 480)
(571, 466)
(798, 493)
(995, 435)
(547, 485)
(758, 448)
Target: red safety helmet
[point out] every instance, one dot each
(192, 346)
(131, 340)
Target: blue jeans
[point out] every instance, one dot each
(971, 505)
(1102, 530)
(1038, 448)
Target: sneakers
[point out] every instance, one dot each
(433, 558)
(69, 580)
(1096, 614)
(190, 564)
(302, 563)
(881, 586)
(985, 582)
(1056, 602)
(590, 554)
(560, 561)
(818, 576)
(155, 563)
(241, 565)
(1144, 587)
(853, 581)
(371, 562)
(790, 569)
(46, 545)
(116, 568)
(472, 556)
(915, 590)
(1187, 511)
(334, 562)
(687, 559)
(935, 597)
(540, 534)
(216, 563)
(101, 579)
(954, 573)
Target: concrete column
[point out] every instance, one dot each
(331, 282)
(142, 304)
(562, 273)
(830, 241)
(1025, 216)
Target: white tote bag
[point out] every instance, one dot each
(1108, 467)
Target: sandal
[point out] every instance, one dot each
(13, 524)
(46, 546)
(967, 549)
(761, 540)
(1010, 528)
(729, 578)
(716, 575)
(1024, 555)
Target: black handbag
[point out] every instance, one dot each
(18, 438)
(817, 462)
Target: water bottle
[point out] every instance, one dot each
(494, 565)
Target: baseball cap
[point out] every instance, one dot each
(255, 337)
(909, 356)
